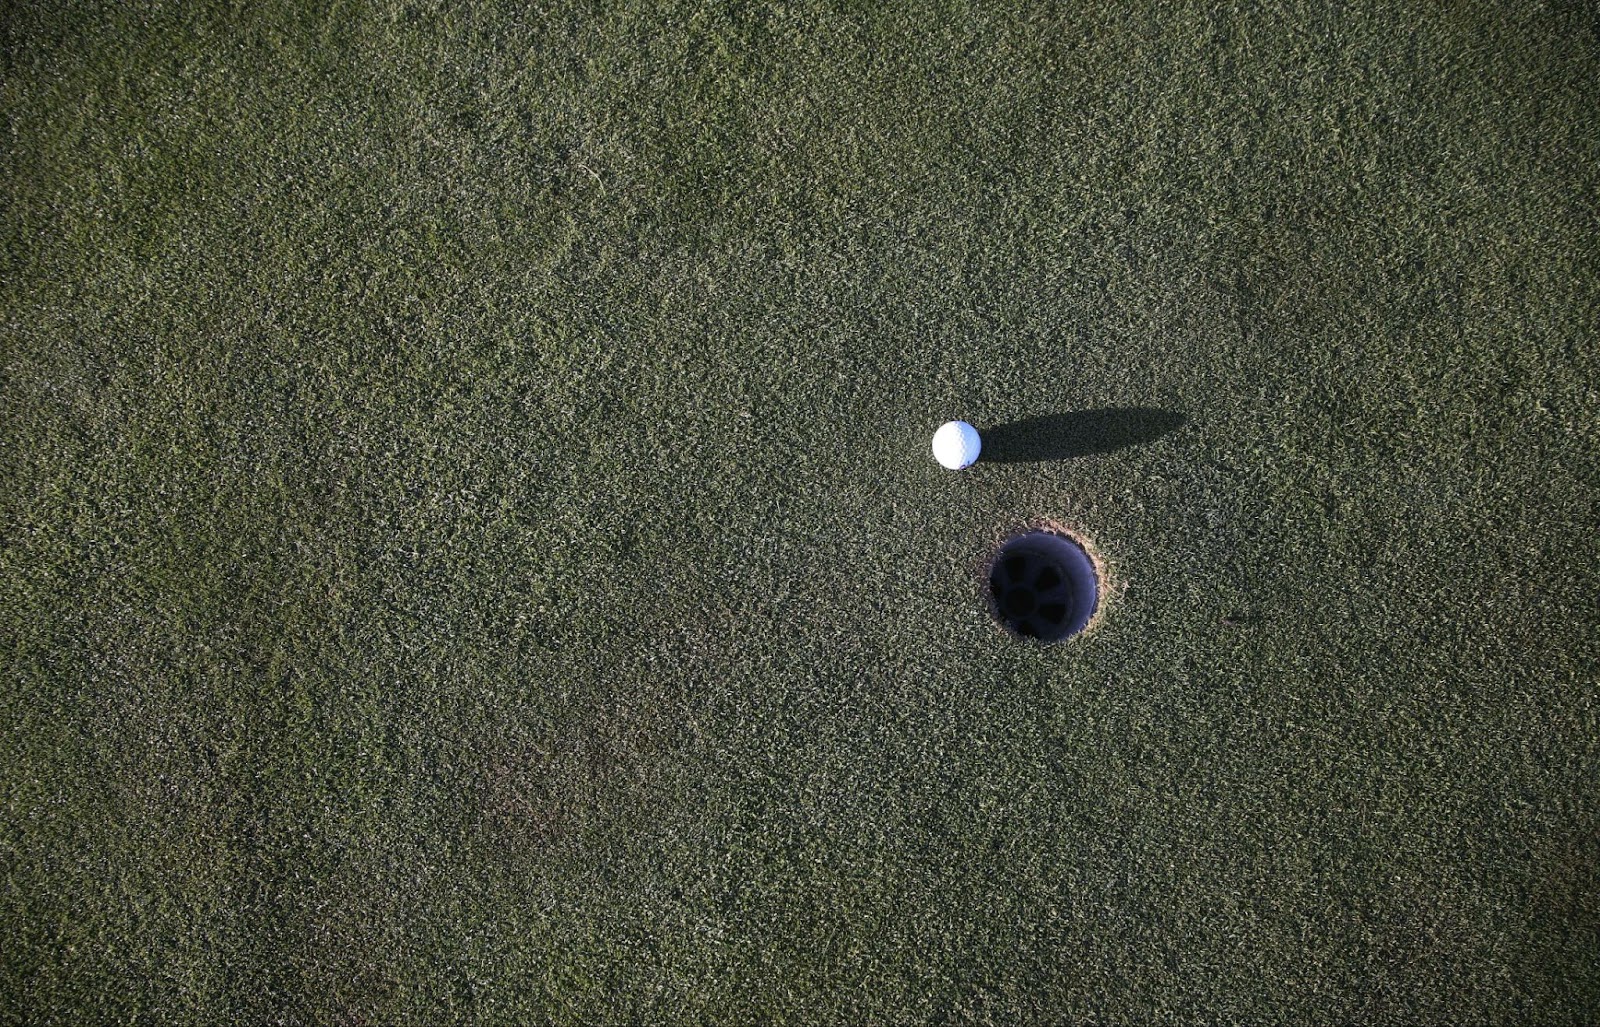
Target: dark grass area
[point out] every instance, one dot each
(1076, 433)
(469, 550)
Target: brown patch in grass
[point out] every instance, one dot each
(546, 791)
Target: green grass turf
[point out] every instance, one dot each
(470, 547)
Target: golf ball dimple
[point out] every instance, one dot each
(956, 445)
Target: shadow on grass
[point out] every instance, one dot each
(1079, 433)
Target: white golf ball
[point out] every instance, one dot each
(956, 445)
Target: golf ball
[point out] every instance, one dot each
(956, 444)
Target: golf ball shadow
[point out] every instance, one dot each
(1044, 586)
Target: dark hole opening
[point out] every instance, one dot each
(1044, 586)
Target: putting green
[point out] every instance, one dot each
(469, 546)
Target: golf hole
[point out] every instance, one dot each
(1044, 586)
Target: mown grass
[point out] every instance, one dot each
(470, 549)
